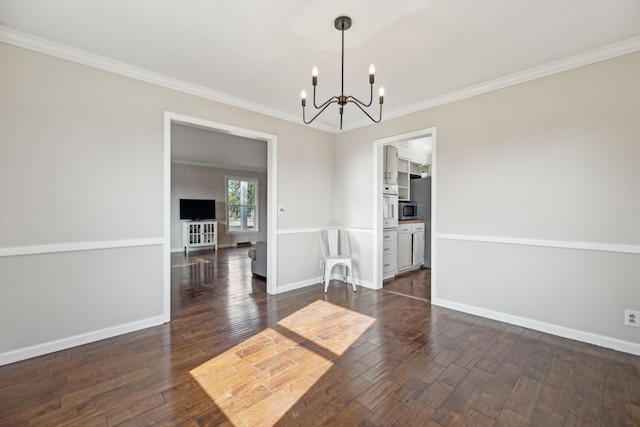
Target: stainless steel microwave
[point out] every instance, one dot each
(407, 211)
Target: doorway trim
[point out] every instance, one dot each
(272, 197)
(378, 157)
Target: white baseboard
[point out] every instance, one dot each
(316, 280)
(227, 245)
(74, 341)
(366, 284)
(561, 331)
(299, 285)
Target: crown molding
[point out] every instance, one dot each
(608, 52)
(216, 166)
(47, 47)
(27, 41)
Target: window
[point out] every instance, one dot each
(242, 205)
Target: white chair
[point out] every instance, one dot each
(336, 250)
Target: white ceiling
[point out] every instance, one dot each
(259, 54)
(203, 147)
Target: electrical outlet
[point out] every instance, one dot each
(632, 318)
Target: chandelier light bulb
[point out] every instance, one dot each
(303, 95)
(372, 72)
(381, 95)
(314, 75)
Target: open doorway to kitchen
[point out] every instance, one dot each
(404, 254)
(170, 121)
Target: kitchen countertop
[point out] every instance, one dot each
(411, 221)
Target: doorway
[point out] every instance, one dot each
(378, 173)
(271, 140)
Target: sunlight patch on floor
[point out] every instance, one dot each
(258, 381)
(195, 262)
(330, 326)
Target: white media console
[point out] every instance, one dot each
(198, 234)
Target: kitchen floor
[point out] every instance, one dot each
(415, 284)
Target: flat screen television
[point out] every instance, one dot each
(197, 209)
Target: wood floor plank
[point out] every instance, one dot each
(495, 394)
(510, 418)
(415, 415)
(460, 402)
(378, 392)
(435, 394)
(352, 414)
(478, 419)
(524, 396)
(386, 412)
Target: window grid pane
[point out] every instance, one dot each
(242, 207)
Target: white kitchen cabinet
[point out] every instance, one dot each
(414, 169)
(404, 193)
(390, 165)
(406, 170)
(417, 242)
(404, 246)
(389, 253)
(410, 246)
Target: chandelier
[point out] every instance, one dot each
(342, 23)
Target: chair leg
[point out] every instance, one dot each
(327, 278)
(353, 281)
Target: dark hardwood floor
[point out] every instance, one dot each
(233, 355)
(415, 284)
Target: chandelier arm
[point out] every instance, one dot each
(326, 104)
(357, 104)
(357, 101)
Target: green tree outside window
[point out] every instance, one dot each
(242, 204)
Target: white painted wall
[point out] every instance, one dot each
(201, 182)
(81, 162)
(554, 160)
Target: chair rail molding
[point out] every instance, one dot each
(78, 246)
(586, 246)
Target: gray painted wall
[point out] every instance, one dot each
(81, 162)
(554, 160)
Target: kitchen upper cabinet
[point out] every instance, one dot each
(407, 170)
(404, 193)
(390, 165)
